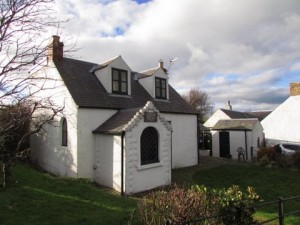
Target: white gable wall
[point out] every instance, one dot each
(283, 124)
(105, 74)
(184, 139)
(218, 115)
(46, 148)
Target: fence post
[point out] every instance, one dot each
(280, 211)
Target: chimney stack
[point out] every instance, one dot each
(56, 49)
(295, 88)
(228, 106)
(161, 64)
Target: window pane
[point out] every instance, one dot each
(163, 93)
(163, 83)
(149, 146)
(123, 87)
(157, 92)
(64, 132)
(157, 83)
(115, 86)
(115, 75)
(123, 76)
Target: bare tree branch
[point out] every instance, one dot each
(200, 101)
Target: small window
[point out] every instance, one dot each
(64, 132)
(160, 88)
(119, 81)
(149, 146)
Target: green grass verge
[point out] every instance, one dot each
(269, 183)
(39, 198)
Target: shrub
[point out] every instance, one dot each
(236, 206)
(266, 153)
(177, 205)
(182, 205)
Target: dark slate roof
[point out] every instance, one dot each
(234, 114)
(260, 115)
(88, 92)
(236, 124)
(116, 123)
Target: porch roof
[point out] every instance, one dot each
(236, 124)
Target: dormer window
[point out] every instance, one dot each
(160, 88)
(119, 81)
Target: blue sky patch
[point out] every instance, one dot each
(142, 1)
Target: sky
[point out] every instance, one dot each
(245, 51)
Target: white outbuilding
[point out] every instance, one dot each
(236, 136)
(283, 124)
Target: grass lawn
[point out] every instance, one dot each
(269, 183)
(39, 198)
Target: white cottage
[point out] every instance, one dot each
(234, 129)
(122, 129)
(283, 124)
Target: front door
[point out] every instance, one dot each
(224, 144)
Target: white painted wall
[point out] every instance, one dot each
(145, 177)
(283, 124)
(46, 148)
(105, 74)
(237, 139)
(184, 139)
(108, 161)
(88, 120)
(218, 115)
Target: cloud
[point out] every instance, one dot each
(242, 51)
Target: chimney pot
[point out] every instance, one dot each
(161, 63)
(295, 88)
(228, 105)
(56, 49)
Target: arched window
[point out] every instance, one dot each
(149, 146)
(64, 132)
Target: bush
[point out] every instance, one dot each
(177, 205)
(236, 206)
(272, 156)
(182, 205)
(266, 154)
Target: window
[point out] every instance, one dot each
(64, 132)
(119, 81)
(160, 88)
(149, 146)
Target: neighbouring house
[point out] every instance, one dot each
(120, 128)
(232, 130)
(283, 124)
(228, 136)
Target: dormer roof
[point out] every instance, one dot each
(88, 92)
(105, 64)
